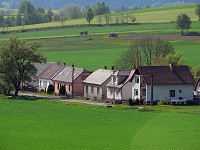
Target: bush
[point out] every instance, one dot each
(191, 102)
(137, 101)
(50, 89)
(162, 101)
(141, 102)
(113, 35)
(42, 91)
(62, 90)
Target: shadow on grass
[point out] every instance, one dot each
(192, 34)
(26, 98)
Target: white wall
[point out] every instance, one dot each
(117, 96)
(197, 92)
(93, 95)
(43, 84)
(162, 91)
(136, 86)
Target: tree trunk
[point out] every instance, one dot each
(182, 32)
(17, 89)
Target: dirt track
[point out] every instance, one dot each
(166, 37)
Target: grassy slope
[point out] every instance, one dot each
(165, 14)
(58, 125)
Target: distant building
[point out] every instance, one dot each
(64, 77)
(169, 82)
(120, 86)
(95, 84)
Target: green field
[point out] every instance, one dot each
(153, 15)
(61, 125)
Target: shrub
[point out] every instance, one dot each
(141, 102)
(50, 89)
(42, 91)
(191, 102)
(62, 90)
(137, 101)
(162, 101)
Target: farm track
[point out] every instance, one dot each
(165, 37)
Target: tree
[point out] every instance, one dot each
(55, 17)
(183, 22)
(16, 61)
(89, 15)
(71, 11)
(101, 8)
(197, 72)
(148, 51)
(62, 90)
(197, 11)
(133, 19)
(18, 21)
(49, 15)
(50, 89)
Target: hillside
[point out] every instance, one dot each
(56, 4)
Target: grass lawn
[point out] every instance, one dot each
(60, 125)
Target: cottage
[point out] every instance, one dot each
(120, 86)
(64, 77)
(169, 82)
(34, 84)
(95, 84)
(45, 78)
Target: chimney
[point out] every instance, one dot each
(112, 68)
(58, 63)
(105, 67)
(64, 64)
(171, 67)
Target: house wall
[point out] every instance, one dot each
(102, 90)
(136, 86)
(93, 95)
(43, 84)
(78, 84)
(197, 92)
(162, 91)
(124, 93)
(58, 84)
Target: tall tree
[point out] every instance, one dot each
(71, 11)
(183, 22)
(147, 51)
(197, 10)
(16, 61)
(89, 15)
(101, 8)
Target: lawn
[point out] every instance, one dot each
(59, 125)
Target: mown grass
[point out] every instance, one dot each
(59, 125)
(153, 15)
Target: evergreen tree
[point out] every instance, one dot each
(62, 90)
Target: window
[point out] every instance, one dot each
(136, 79)
(136, 92)
(98, 90)
(180, 91)
(172, 93)
(92, 89)
(83, 77)
(118, 91)
(86, 89)
(180, 98)
(69, 87)
(114, 79)
(111, 91)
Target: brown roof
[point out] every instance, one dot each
(50, 72)
(166, 75)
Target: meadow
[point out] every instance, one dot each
(152, 15)
(40, 124)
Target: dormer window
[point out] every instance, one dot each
(136, 79)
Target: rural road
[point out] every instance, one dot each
(67, 100)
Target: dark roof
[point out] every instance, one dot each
(42, 66)
(123, 72)
(166, 75)
(50, 72)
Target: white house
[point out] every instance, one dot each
(120, 86)
(45, 78)
(169, 82)
(95, 84)
(197, 89)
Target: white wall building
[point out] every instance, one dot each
(172, 83)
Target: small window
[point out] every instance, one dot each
(118, 91)
(114, 79)
(69, 87)
(111, 91)
(86, 89)
(136, 79)
(172, 93)
(180, 91)
(180, 98)
(98, 90)
(92, 89)
(136, 92)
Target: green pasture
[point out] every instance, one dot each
(40, 125)
(93, 52)
(147, 29)
(154, 15)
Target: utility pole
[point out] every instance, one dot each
(72, 80)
